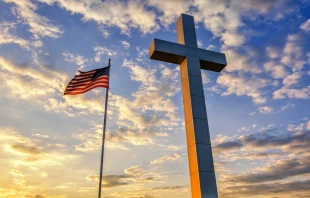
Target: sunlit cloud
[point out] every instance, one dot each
(58, 138)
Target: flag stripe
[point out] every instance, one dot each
(82, 76)
(87, 81)
(85, 90)
(85, 85)
(84, 82)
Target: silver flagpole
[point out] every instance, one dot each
(104, 128)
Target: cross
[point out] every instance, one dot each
(191, 59)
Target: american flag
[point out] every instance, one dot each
(86, 81)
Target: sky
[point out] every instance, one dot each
(258, 106)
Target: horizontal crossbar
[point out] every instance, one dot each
(175, 53)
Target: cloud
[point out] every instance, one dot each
(27, 90)
(16, 173)
(39, 26)
(281, 170)
(288, 91)
(261, 155)
(134, 175)
(28, 156)
(6, 37)
(240, 85)
(179, 190)
(225, 23)
(36, 196)
(286, 106)
(126, 44)
(175, 147)
(266, 110)
(293, 55)
(40, 135)
(272, 52)
(232, 39)
(110, 181)
(105, 33)
(238, 60)
(155, 92)
(42, 80)
(166, 158)
(277, 70)
(291, 188)
(124, 15)
(77, 59)
(170, 10)
(227, 146)
(265, 140)
(292, 127)
(26, 149)
(305, 26)
(102, 51)
(303, 93)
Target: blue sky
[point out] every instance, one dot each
(258, 106)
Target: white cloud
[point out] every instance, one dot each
(252, 113)
(224, 18)
(42, 80)
(211, 47)
(125, 44)
(77, 59)
(102, 51)
(6, 37)
(166, 158)
(175, 147)
(306, 26)
(242, 129)
(277, 70)
(286, 107)
(215, 88)
(266, 110)
(292, 79)
(126, 15)
(237, 61)
(199, 43)
(303, 93)
(232, 39)
(105, 33)
(39, 26)
(205, 78)
(240, 86)
(272, 52)
(293, 127)
(293, 53)
(44, 84)
(289, 91)
(170, 10)
(40, 135)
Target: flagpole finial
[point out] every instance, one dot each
(109, 62)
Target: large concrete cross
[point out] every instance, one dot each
(191, 59)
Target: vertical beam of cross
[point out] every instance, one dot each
(191, 60)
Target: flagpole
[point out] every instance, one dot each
(103, 134)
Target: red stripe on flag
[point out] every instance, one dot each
(85, 90)
(85, 85)
(85, 82)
